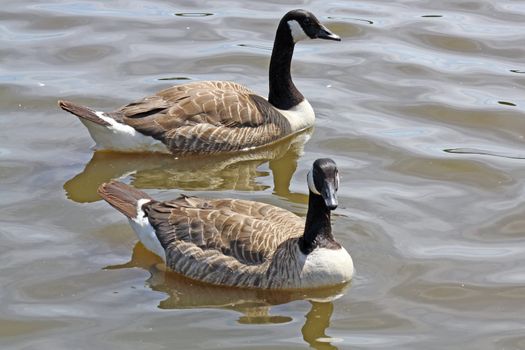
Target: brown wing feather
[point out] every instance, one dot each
(206, 117)
(244, 230)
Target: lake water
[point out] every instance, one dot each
(422, 105)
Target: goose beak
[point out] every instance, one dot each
(324, 33)
(329, 195)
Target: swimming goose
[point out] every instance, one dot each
(242, 243)
(213, 116)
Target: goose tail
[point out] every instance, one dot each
(82, 112)
(123, 197)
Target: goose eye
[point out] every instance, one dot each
(307, 21)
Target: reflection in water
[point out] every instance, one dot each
(339, 18)
(174, 78)
(317, 321)
(194, 14)
(219, 172)
(253, 304)
(506, 103)
(484, 153)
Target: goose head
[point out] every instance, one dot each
(304, 25)
(323, 180)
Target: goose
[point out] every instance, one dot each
(241, 243)
(210, 117)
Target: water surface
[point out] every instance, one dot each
(421, 105)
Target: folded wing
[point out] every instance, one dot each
(211, 117)
(246, 231)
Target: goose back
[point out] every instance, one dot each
(226, 241)
(206, 117)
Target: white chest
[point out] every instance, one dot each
(300, 117)
(324, 267)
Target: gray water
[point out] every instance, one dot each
(421, 105)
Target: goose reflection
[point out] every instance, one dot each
(254, 305)
(221, 172)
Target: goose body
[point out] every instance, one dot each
(241, 243)
(213, 116)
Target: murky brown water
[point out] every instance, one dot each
(422, 106)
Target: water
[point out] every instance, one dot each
(422, 106)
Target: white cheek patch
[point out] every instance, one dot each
(297, 31)
(311, 183)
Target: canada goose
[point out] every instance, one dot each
(242, 243)
(213, 116)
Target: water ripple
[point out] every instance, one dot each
(421, 105)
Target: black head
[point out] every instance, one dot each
(323, 180)
(304, 24)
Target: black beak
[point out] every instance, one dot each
(329, 195)
(324, 33)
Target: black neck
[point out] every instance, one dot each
(318, 228)
(283, 93)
